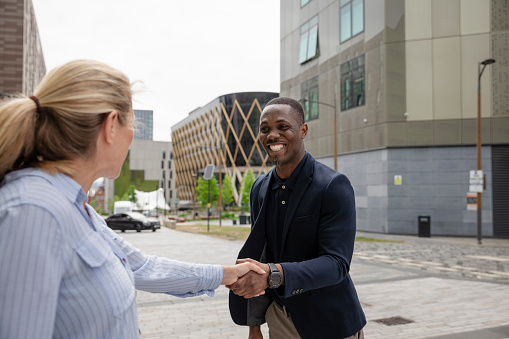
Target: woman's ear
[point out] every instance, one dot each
(110, 126)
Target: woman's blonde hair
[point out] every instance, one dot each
(74, 100)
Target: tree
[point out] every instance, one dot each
(202, 191)
(95, 204)
(226, 191)
(111, 203)
(125, 197)
(248, 181)
(132, 194)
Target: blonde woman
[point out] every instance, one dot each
(63, 272)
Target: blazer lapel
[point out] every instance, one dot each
(301, 186)
(255, 243)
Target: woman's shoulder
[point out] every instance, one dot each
(28, 186)
(31, 188)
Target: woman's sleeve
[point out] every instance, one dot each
(163, 275)
(31, 266)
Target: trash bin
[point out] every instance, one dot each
(243, 219)
(234, 222)
(424, 226)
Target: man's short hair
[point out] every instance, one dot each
(297, 109)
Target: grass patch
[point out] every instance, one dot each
(241, 233)
(225, 232)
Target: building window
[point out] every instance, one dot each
(352, 83)
(352, 18)
(164, 154)
(309, 48)
(309, 92)
(304, 2)
(162, 163)
(171, 192)
(169, 163)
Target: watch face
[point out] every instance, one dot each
(274, 280)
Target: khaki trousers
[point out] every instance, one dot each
(281, 325)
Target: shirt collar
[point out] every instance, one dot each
(290, 182)
(70, 188)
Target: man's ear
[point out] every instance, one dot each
(110, 126)
(303, 130)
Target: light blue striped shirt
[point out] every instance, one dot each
(65, 274)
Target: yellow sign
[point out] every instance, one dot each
(209, 205)
(398, 179)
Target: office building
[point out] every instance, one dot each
(223, 133)
(149, 166)
(144, 124)
(390, 91)
(22, 64)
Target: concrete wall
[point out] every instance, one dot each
(435, 183)
(421, 73)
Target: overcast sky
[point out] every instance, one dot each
(186, 53)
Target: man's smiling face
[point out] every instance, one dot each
(282, 136)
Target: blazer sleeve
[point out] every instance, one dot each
(336, 235)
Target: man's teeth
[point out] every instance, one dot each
(276, 148)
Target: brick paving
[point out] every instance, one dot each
(448, 287)
(450, 257)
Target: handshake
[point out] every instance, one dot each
(248, 278)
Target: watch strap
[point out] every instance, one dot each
(273, 268)
(275, 277)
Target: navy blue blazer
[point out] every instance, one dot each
(316, 252)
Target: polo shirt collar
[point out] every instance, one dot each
(290, 182)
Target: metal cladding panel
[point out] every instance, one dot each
(500, 170)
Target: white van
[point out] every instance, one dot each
(122, 207)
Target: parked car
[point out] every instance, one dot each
(132, 221)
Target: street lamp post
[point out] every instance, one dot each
(304, 100)
(195, 176)
(480, 70)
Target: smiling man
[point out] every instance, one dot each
(303, 232)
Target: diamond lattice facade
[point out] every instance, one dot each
(223, 133)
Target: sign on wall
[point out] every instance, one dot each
(471, 201)
(476, 181)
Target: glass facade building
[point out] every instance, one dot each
(144, 124)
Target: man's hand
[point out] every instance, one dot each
(232, 273)
(251, 284)
(255, 332)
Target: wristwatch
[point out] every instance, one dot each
(275, 279)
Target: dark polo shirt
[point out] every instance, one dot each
(277, 205)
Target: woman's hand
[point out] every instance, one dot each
(232, 273)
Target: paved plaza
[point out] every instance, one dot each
(447, 288)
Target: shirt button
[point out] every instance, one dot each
(283, 202)
(123, 259)
(283, 187)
